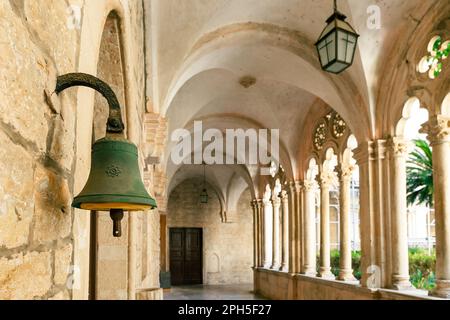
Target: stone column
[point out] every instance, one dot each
(438, 130)
(276, 263)
(345, 259)
(285, 232)
(260, 209)
(325, 266)
(268, 221)
(398, 153)
(298, 226)
(255, 233)
(309, 259)
(292, 229)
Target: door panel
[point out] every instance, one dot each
(186, 256)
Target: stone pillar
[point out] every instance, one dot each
(298, 226)
(325, 266)
(268, 221)
(260, 209)
(345, 260)
(309, 259)
(255, 232)
(438, 130)
(285, 232)
(292, 229)
(276, 263)
(398, 152)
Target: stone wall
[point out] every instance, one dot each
(227, 247)
(36, 150)
(283, 286)
(45, 144)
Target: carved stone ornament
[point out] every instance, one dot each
(320, 136)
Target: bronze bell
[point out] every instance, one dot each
(114, 182)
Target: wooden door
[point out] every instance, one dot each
(186, 256)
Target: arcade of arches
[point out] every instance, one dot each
(339, 183)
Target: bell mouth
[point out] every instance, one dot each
(112, 206)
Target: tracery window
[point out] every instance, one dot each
(432, 63)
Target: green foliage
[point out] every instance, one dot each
(421, 268)
(334, 262)
(420, 175)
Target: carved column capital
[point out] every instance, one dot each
(345, 171)
(310, 185)
(276, 200)
(437, 129)
(325, 180)
(397, 146)
(284, 196)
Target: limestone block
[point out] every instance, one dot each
(62, 149)
(25, 276)
(150, 294)
(52, 206)
(16, 193)
(64, 295)
(63, 260)
(53, 24)
(23, 81)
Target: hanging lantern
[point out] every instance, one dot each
(114, 182)
(204, 193)
(337, 43)
(204, 196)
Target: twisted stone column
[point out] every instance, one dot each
(398, 152)
(325, 266)
(309, 259)
(438, 130)
(276, 263)
(285, 232)
(345, 257)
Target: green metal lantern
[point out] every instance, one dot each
(114, 182)
(337, 43)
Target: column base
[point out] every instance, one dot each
(401, 283)
(442, 289)
(276, 266)
(346, 275)
(325, 273)
(284, 268)
(267, 265)
(309, 273)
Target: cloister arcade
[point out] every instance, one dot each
(207, 69)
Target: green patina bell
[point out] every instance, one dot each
(115, 182)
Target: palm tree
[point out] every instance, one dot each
(419, 179)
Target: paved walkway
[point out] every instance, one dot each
(225, 292)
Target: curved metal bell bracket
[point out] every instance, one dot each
(115, 123)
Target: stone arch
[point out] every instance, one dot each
(401, 79)
(208, 54)
(94, 20)
(445, 107)
(411, 110)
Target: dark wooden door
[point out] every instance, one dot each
(186, 256)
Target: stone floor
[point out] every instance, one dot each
(204, 292)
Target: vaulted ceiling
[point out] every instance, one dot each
(253, 64)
